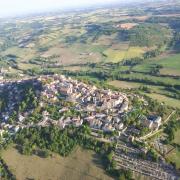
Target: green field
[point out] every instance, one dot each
(167, 100)
(177, 137)
(171, 65)
(139, 77)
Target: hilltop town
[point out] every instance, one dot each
(57, 100)
(102, 109)
(90, 92)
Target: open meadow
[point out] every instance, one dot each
(80, 164)
(124, 84)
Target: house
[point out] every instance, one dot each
(77, 122)
(117, 101)
(131, 138)
(21, 118)
(64, 109)
(41, 104)
(1, 132)
(144, 150)
(152, 121)
(146, 123)
(134, 131)
(16, 129)
(99, 115)
(95, 123)
(156, 121)
(108, 119)
(45, 113)
(68, 121)
(119, 126)
(5, 116)
(116, 119)
(61, 124)
(124, 107)
(65, 91)
(108, 128)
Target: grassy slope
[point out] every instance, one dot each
(81, 164)
(174, 156)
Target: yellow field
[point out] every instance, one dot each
(81, 164)
(114, 55)
(134, 52)
(119, 55)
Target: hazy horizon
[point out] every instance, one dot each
(19, 7)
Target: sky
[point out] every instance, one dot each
(18, 7)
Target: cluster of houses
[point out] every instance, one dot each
(62, 122)
(11, 96)
(103, 108)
